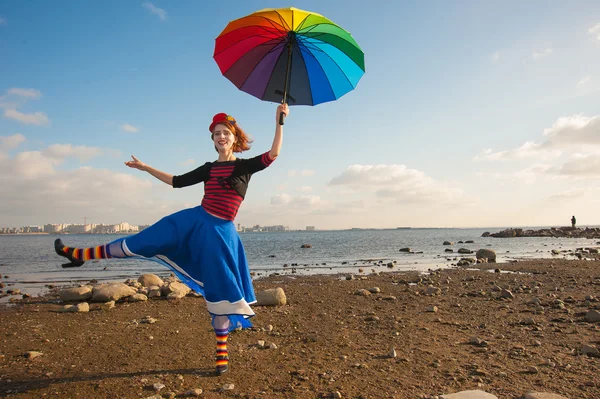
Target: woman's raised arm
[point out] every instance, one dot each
(278, 139)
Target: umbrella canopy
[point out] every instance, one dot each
(289, 54)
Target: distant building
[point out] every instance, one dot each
(275, 228)
(310, 228)
(32, 229)
(53, 228)
(78, 228)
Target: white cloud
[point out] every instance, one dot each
(126, 127)
(580, 166)
(536, 55)
(307, 172)
(16, 97)
(568, 195)
(397, 183)
(583, 80)
(528, 150)
(162, 14)
(303, 172)
(595, 30)
(62, 151)
(576, 132)
(10, 142)
(302, 201)
(495, 56)
(35, 189)
(305, 189)
(27, 93)
(36, 118)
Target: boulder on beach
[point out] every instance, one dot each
(485, 253)
(305, 246)
(271, 297)
(76, 293)
(179, 290)
(448, 243)
(464, 251)
(112, 292)
(148, 280)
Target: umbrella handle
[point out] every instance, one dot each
(281, 117)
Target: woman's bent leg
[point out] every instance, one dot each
(221, 326)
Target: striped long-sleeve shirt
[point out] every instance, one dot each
(225, 183)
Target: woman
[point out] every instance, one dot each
(201, 245)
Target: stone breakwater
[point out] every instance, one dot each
(563, 232)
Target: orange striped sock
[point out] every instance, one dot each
(84, 254)
(222, 355)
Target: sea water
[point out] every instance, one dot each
(28, 262)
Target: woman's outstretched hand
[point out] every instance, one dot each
(136, 163)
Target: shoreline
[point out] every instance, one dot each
(328, 339)
(43, 282)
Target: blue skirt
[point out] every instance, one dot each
(206, 253)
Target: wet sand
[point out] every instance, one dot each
(330, 342)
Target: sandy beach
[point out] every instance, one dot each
(478, 329)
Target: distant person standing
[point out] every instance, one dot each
(573, 221)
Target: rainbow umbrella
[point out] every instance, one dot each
(289, 55)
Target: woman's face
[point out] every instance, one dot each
(223, 138)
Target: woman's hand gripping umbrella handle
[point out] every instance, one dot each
(282, 111)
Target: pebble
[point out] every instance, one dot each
(592, 316)
(33, 354)
(148, 320)
(590, 350)
(158, 386)
(196, 392)
(392, 353)
(474, 394)
(227, 387)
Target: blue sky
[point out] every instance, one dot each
(469, 114)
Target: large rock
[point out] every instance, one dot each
(112, 292)
(176, 287)
(543, 395)
(469, 395)
(272, 297)
(488, 254)
(148, 280)
(76, 294)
